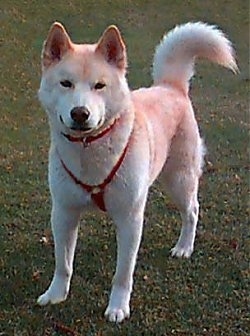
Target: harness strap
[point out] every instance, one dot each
(97, 191)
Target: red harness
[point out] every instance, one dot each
(96, 191)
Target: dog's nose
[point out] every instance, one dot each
(79, 114)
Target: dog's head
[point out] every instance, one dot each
(83, 86)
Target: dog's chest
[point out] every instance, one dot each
(92, 163)
(97, 160)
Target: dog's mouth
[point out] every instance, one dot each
(85, 134)
(80, 128)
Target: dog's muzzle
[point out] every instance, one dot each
(80, 116)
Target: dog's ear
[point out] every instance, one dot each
(56, 45)
(112, 47)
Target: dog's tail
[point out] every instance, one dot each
(175, 56)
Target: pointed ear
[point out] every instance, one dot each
(112, 47)
(56, 45)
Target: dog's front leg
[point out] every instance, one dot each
(129, 231)
(64, 227)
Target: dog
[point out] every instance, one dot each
(109, 144)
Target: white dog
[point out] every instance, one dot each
(109, 144)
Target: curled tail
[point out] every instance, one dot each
(175, 56)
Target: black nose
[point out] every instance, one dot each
(79, 114)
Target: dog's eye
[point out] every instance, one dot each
(66, 83)
(99, 86)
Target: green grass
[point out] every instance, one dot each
(206, 295)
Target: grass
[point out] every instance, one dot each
(206, 295)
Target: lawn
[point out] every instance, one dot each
(206, 295)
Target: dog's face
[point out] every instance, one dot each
(83, 87)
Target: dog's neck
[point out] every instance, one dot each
(91, 159)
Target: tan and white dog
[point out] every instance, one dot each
(109, 144)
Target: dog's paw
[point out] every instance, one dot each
(118, 307)
(44, 299)
(117, 315)
(180, 252)
(56, 293)
(50, 298)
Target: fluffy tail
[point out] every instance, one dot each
(175, 56)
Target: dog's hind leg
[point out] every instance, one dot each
(189, 213)
(181, 176)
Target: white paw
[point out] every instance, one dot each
(57, 292)
(118, 308)
(117, 314)
(49, 297)
(182, 251)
